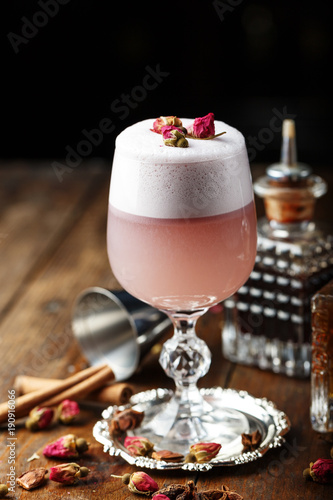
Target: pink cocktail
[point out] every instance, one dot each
(182, 237)
(182, 263)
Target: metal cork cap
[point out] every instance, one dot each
(288, 170)
(289, 189)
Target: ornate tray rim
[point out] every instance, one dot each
(280, 420)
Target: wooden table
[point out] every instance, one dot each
(52, 246)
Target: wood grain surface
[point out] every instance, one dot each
(52, 246)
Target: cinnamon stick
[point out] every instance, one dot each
(83, 382)
(117, 393)
(83, 388)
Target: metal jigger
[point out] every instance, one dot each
(115, 328)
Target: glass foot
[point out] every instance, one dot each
(170, 428)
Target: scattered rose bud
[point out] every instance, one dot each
(138, 446)
(162, 121)
(202, 127)
(68, 473)
(39, 418)
(202, 452)
(68, 446)
(160, 496)
(125, 420)
(67, 411)
(174, 136)
(3, 490)
(321, 471)
(167, 456)
(139, 482)
(32, 478)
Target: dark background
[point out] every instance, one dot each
(239, 59)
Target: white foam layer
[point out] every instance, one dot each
(210, 177)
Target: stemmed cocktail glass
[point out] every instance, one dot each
(182, 237)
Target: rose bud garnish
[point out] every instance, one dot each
(203, 128)
(67, 411)
(202, 452)
(321, 471)
(68, 446)
(39, 418)
(174, 136)
(32, 478)
(138, 446)
(68, 473)
(125, 420)
(139, 482)
(162, 121)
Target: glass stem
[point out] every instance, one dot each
(186, 358)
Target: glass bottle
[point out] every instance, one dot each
(322, 360)
(267, 323)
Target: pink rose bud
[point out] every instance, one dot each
(39, 418)
(322, 470)
(162, 121)
(142, 483)
(138, 446)
(68, 446)
(67, 411)
(160, 496)
(139, 482)
(202, 127)
(203, 452)
(68, 473)
(174, 136)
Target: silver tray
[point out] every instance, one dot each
(261, 414)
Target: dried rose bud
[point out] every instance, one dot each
(139, 482)
(125, 420)
(160, 496)
(32, 478)
(322, 470)
(3, 490)
(68, 473)
(167, 456)
(162, 121)
(202, 452)
(68, 446)
(138, 446)
(174, 136)
(39, 418)
(202, 127)
(67, 411)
